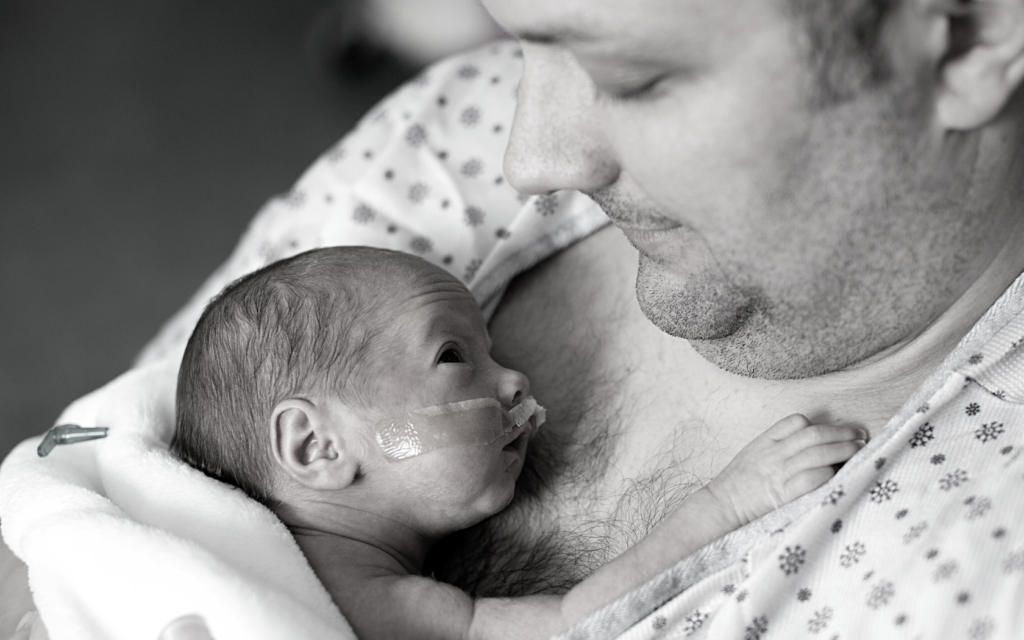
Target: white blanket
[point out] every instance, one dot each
(121, 538)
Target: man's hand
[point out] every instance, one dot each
(788, 460)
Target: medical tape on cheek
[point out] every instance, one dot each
(458, 424)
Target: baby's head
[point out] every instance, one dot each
(291, 369)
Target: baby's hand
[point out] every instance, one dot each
(788, 460)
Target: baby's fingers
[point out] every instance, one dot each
(786, 427)
(819, 434)
(805, 482)
(822, 455)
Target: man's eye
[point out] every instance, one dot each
(636, 93)
(449, 356)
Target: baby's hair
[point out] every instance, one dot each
(300, 327)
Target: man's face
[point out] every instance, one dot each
(783, 237)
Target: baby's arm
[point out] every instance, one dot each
(415, 607)
(788, 460)
(783, 463)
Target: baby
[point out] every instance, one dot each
(351, 390)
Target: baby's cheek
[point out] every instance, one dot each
(473, 478)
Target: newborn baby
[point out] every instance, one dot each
(352, 391)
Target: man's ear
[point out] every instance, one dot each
(308, 445)
(982, 61)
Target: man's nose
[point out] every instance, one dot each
(512, 387)
(556, 141)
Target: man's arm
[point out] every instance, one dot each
(783, 463)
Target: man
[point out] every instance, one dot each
(825, 197)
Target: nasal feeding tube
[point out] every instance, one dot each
(68, 434)
(457, 424)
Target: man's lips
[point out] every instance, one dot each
(645, 230)
(630, 213)
(653, 242)
(647, 222)
(656, 236)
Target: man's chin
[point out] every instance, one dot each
(697, 307)
(726, 326)
(757, 349)
(752, 358)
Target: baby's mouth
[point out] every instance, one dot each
(525, 418)
(512, 446)
(518, 444)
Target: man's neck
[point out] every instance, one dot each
(904, 366)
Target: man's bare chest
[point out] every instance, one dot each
(637, 421)
(630, 434)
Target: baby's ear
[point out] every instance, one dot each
(307, 445)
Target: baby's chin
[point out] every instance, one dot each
(482, 509)
(514, 455)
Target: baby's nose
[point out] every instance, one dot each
(512, 387)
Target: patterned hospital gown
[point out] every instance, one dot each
(921, 535)
(421, 173)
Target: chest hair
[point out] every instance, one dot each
(575, 508)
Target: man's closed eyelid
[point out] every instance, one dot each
(639, 93)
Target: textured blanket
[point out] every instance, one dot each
(121, 538)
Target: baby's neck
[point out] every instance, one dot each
(339, 540)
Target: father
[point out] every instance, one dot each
(825, 196)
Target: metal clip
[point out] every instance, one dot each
(68, 434)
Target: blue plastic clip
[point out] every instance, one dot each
(68, 434)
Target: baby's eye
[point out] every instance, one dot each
(449, 356)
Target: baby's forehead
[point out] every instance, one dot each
(409, 291)
(403, 271)
(412, 283)
(434, 307)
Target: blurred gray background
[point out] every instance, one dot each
(136, 141)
